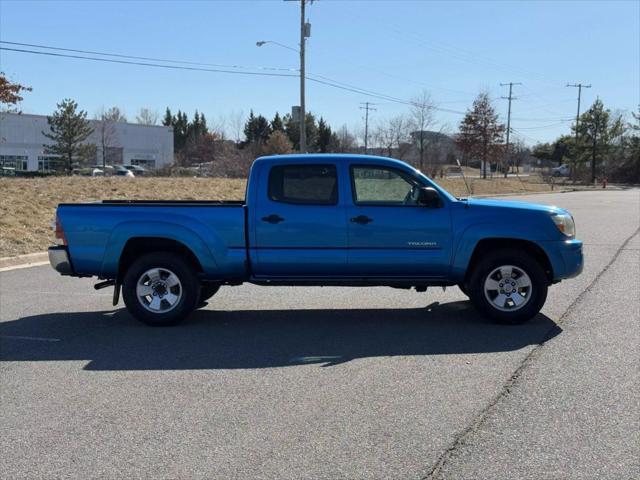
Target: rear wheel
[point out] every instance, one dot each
(160, 289)
(508, 286)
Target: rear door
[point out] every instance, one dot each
(390, 234)
(300, 223)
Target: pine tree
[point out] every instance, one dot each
(596, 132)
(203, 125)
(180, 130)
(256, 129)
(323, 138)
(276, 124)
(292, 129)
(167, 121)
(68, 128)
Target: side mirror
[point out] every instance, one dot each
(429, 197)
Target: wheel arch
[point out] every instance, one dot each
(487, 245)
(137, 246)
(145, 237)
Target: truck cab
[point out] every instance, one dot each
(321, 219)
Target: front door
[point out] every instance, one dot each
(390, 234)
(300, 223)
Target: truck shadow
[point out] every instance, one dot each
(250, 339)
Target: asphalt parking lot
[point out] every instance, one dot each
(332, 383)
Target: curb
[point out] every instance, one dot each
(24, 261)
(517, 194)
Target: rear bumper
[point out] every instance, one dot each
(59, 260)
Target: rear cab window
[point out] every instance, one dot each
(304, 184)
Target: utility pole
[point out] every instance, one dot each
(303, 115)
(366, 108)
(579, 86)
(510, 97)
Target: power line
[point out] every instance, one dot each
(147, 64)
(320, 79)
(366, 108)
(542, 127)
(151, 59)
(197, 66)
(328, 82)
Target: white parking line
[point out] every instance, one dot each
(35, 339)
(26, 265)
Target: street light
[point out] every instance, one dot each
(303, 136)
(264, 42)
(305, 32)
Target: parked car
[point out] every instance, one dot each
(342, 220)
(562, 171)
(123, 172)
(137, 170)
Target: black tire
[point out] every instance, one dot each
(522, 261)
(207, 291)
(463, 288)
(189, 288)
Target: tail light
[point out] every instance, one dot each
(58, 232)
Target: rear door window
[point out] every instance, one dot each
(304, 184)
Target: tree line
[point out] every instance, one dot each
(602, 144)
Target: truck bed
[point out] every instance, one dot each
(98, 233)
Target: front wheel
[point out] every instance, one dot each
(160, 289)
(508, 286)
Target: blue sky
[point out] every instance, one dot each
(452, 49)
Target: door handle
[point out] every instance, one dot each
(362, 219)
(273, 218)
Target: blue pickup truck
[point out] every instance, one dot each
(340, 220)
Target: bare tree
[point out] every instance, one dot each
(392, 135)
(422, 117)
(383, 137)
(106, 129)
(219, 127)
(520, 153)
(114, 114)
(346, 140)
(400, 126)
(236, 121)
(147, 117)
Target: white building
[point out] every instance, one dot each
(22, 143)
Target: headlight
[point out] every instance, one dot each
(565, 224)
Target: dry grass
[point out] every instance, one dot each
(27, 206)
(494, 186)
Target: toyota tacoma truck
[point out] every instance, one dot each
(314, 220)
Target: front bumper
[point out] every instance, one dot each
(59, 260)
(566, 258)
